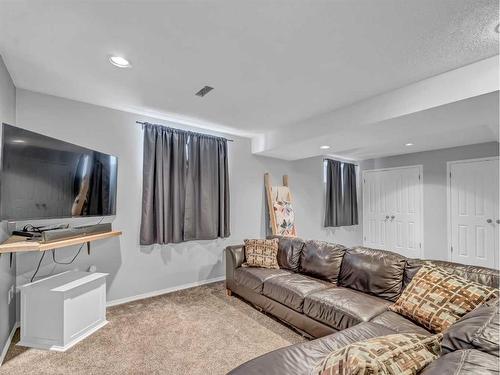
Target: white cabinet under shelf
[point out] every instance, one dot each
(61, 310)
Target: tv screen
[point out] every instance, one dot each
(43, 177)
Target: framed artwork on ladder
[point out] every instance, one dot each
(279, 203)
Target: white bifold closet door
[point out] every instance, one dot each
(473, 212)
(392, 210)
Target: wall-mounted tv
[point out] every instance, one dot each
(43, 177)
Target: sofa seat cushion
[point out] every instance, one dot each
(464, 362)
(254, 277)
(302, 358)
(342, 308)
(290, 290)
(398, 323)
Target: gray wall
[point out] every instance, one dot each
(136, 270)
(7, 274)
(434, 178)
(308, 191)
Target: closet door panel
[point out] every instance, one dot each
(376, 232)
(392, 210)
(407, 213)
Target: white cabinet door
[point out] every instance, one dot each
(375, 211)
(392, 209)
(474, 212)
(406, 214)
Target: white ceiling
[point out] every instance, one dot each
(464, 122)
(272, 63)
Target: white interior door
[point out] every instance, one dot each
(375, 211)
(474, 216)
(392, 210)
(406, 212)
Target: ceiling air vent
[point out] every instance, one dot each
(204, 91)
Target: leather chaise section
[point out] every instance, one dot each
(290, 290)
(464, 362)
(398, 323)
(372, 271)
(343, 308)
(322, 260)
(301, 358)
(254, 277)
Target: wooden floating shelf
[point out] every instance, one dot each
(16, 244)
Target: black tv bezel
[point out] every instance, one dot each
(4, 218)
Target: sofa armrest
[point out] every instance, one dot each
(235, 256)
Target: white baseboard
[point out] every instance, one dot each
(40, 345)
(163, 291)
(121, 301)
(7, 344)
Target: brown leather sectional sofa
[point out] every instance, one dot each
(341, 295)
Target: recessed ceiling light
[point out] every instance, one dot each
(119, 62)
(18, 141)
(408, 144)
(324, 147)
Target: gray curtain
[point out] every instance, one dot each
(341, 194)
(207, 189)
(350, 195)
(164, 185)
(185, 186)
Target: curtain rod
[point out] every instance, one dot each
(148, 123)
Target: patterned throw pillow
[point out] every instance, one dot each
(262, 253)
(404, 354)
(436, 298)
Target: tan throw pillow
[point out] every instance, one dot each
(436, 299)
(262, 253)
(404, 354)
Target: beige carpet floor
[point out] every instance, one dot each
(194, 331)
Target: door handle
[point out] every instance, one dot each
(489, 221)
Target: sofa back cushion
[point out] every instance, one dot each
(478, 329)
(372, 271)
(322, 260)
(464, 362)
(289, 251)
(482, 275)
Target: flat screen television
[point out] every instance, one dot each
(43, 177)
